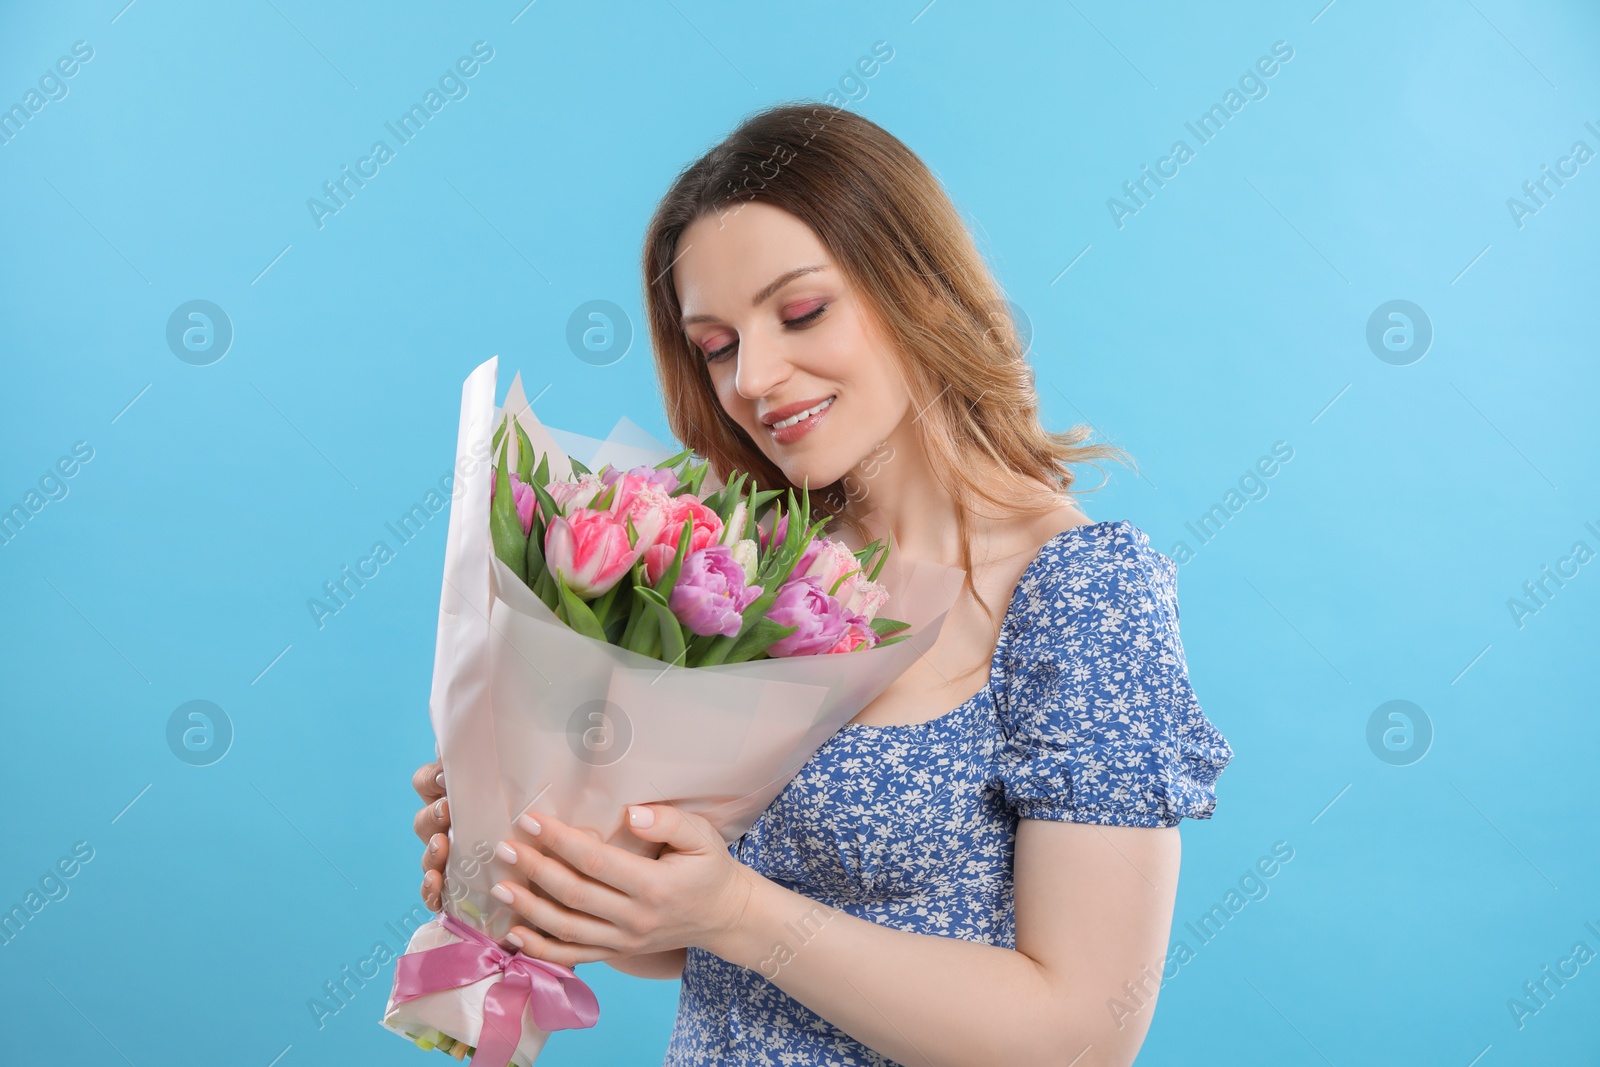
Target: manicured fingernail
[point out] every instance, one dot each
(514, 940)
(506, 852)
(438, 808)
(500, 892)
(530, 824)
(438, 779)
(640, 816)
(433, 844)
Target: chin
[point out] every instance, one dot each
(818, 474)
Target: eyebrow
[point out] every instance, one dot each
(767, 290)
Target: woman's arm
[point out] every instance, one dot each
(667, 964)
(1093, 913)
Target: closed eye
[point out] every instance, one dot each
(794, 324)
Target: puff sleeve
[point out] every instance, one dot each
(1099, 721)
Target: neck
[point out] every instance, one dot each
(895, 494)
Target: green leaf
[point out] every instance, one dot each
(494, 443)
(879, 565)
(547, 508)
(579, 468)
(728, 498)
(603, 501)
(602, 607)
(541, 477)
(577, 613)
(671, 464)
(547, 590)
(538, 571)
(505, 529)
(697, 647)
(755, 642)
(864, 557)
(697, 477)
(617, 625)
(884, 627)
(524, 453)
(890, 640)
(672, 645)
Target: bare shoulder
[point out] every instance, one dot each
(1023, 536)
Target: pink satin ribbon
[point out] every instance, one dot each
(556, 996)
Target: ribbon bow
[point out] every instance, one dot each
(557, 997)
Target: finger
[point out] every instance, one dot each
(676, 829)
(427, 781)
(590, 857)
(558, 922)
(433, 891)
(537, 945)
(433, 819)
(437, 854)
(562, 886)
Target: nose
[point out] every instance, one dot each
(762, 366)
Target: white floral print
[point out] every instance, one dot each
(1088, 716)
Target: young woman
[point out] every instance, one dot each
(981, 867)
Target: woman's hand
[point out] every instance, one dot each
(431, 824)
(599, 901)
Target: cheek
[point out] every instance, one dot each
(735, 406)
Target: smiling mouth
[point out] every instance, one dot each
(801, 416)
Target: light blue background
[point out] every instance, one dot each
(1229, 313)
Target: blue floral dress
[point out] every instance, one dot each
(1088, 716)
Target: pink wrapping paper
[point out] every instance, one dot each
(531, 715)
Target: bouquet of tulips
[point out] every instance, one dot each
(637, 635)
(637, 558)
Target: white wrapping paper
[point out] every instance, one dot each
(531, 715)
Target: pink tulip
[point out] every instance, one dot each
(707, 530)
(590, 550)
(861, 596)
(579, 493)
(858, 634)
(834, 560)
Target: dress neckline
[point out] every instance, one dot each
(905, 728)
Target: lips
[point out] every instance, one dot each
(801, 416)
(790, 410)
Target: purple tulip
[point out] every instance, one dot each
(667, 480)
(523, 496)
(821, 619)
(710, 595)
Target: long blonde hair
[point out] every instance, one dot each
(901, 244)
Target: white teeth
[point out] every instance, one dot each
(792, 419)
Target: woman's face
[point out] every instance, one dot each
(782, 331)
